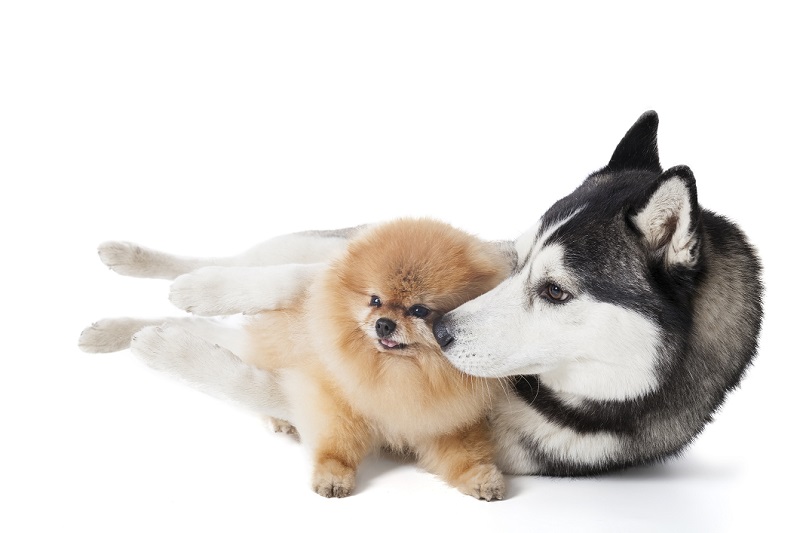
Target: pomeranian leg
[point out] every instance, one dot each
(208, 367)
(465, 460)
(340, 440)
(131, 259)
(213, 291)
(281, 426)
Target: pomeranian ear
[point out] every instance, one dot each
(668, 220)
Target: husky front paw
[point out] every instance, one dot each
(484, 482)
(215, 290)
(208, 291)
(109, 335)
(333, 480)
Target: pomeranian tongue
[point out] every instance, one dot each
(388, 343)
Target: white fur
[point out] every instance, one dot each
(530, 243)
(568, 345)
(209, 367)
(134, 260)
(671, 200)
(111, 334)
(293, 248)
(525, 244)
(198, 350)
(114, 334)
(212, 291)
(204, 351)
(514, 417)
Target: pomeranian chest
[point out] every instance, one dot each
(404, 399)
(407, 405)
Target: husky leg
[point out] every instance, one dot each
(130, 259)
(192, 349)
(214, 291)
(112, 334)
(210, 368)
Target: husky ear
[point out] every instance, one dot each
(638, 150)
(668, 220)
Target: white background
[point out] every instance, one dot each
(206, 127)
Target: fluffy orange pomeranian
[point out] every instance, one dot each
(361, 369)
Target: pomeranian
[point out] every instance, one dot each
(361, 369)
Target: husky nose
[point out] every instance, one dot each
(443, 336)
(384, 327)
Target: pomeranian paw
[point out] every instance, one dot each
(484, 482)
(333, 480)
(108, 335)
(282, 426)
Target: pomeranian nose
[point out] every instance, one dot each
(384, 327)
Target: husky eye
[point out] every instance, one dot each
(375, 301)
(555, 293)
(419, 311)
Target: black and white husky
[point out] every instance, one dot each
(630, 314)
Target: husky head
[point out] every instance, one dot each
(597, 304)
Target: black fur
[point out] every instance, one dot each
(710, 311)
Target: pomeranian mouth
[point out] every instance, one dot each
(390, 344)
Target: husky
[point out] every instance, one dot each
(630, 313)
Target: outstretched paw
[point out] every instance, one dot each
(130, 259)
(215, 290)
(208, 292)
(177, 351)
(163, 347)
(109, 335)
(124, 258)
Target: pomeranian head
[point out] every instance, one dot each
(397, 278)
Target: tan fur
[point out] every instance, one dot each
(349, 394)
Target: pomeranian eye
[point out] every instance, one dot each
(419, 311)
(375, 301)
(555, 294)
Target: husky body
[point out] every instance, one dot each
(630, 314)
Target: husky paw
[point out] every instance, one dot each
(334, 480)
(124, 258)
(484, 482)
(174, 350)
(108, 335)
(207, 292)
(137, 261)
(177, 351)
